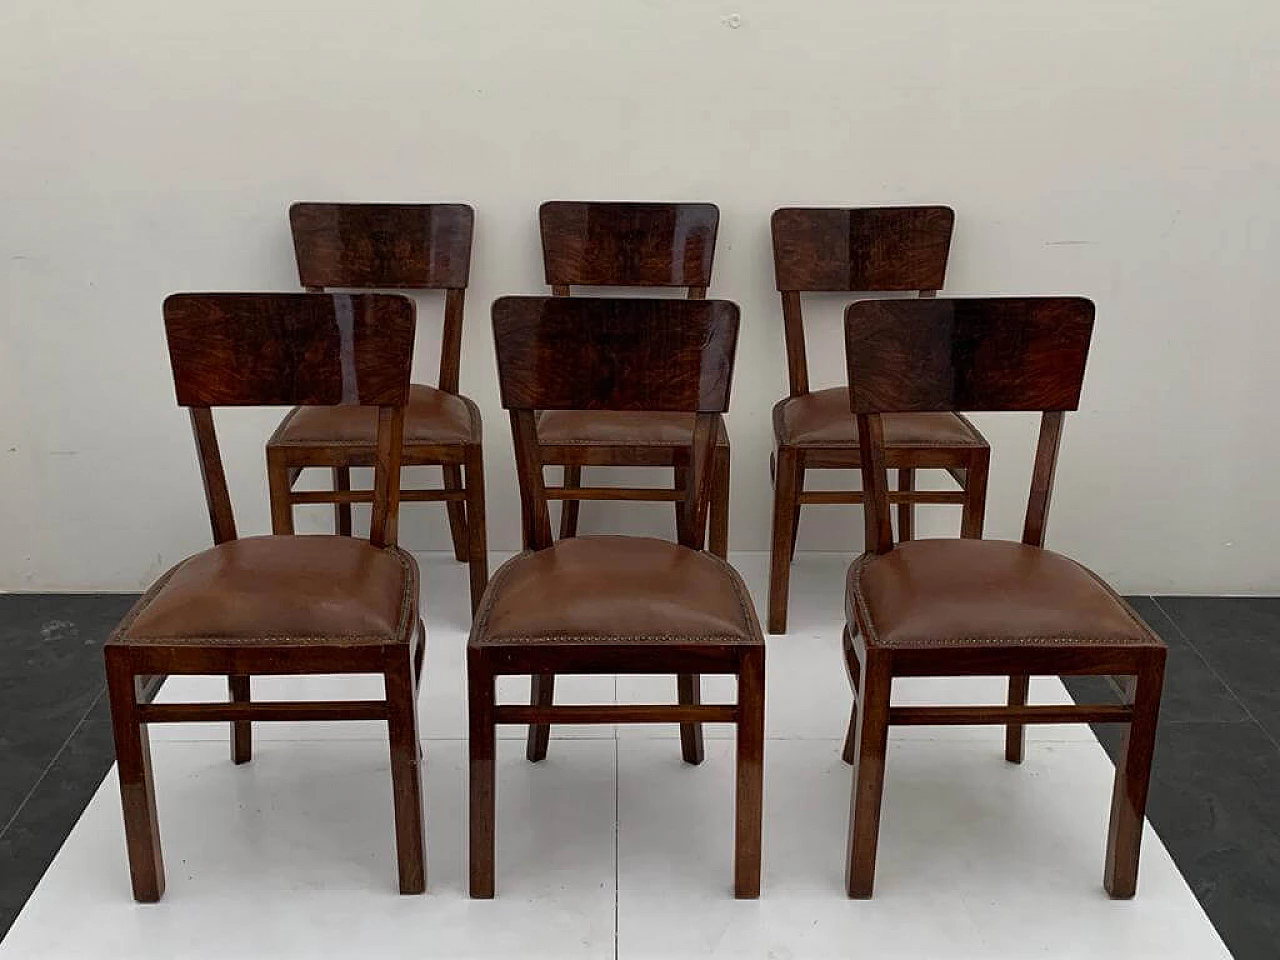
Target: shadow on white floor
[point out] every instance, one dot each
(612, 846)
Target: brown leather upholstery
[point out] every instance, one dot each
(620, 428)
(823, 419)
(616, 589)
(304, 589)
(432, 416)
(938, 593)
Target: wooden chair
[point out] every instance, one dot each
(278, 604)
(388, 246)
(983, 607)
(878, 249)
(629, 245)
(616, 604)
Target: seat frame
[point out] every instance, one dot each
(1039, 346)
(880, 249)
(136, 668)
(328, 258)
(543, 345)
(654, 245)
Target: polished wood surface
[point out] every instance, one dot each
(615, 354)
(392, 246)
(1024, 354)
(273, 349)
(862, 250)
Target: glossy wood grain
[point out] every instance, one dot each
(628, 244)
(597, 353)
(273, 349)
(383, 246)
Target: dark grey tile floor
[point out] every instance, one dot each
(1215, 798)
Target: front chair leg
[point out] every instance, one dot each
(482, 745)
(689, 694)
(137, 787)
(868, 775)
(1015, 734)
(1133, 778)
(749, 793)
(241, 730)
(787, 482)
(541, 694)
(406, 774)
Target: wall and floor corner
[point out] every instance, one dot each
(1121, 151)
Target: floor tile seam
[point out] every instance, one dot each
(53, 760)
(1208, 666)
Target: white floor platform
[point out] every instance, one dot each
(613, 847)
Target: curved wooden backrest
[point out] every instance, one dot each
(971, 354)
(605, 244)
(391, 246)
(863, 249)
(285, 349)
(598, 353)
(383, 246)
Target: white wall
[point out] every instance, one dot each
(1125, 151)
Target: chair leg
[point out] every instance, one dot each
(457, 512)
(569, 508)
(868, 775)
(906, 511)
(281, 498)
(975, 496)
(137, 787)
(478, 547)
(542, 688)
(688, 694)
(421, 655)
(749, 793)
(1015, 734)
(406, 775)
(718, 539)
(482, 745)
(1133, 778)
(785, 511)
(241, 730)
(850, 751)
(342, 511)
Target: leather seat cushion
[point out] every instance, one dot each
(616, 589)
(823, 419)
(432, 416)
(302, 589)
(620, 428)
(940, 593)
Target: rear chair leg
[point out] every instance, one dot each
(906, 511)
(137, 787)
(569, 508)
(478, 548)
(689, 694)
(342, 511)
(241, 730)
(541, 694)
(457, 512)
(718, 539)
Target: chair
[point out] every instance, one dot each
(616, 604)
(973, 607)
(629, 245)
(389, 246)
(878, 249)
(278, 604)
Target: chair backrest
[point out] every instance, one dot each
(390, 246)
(288, 349)
(604, 353)
(867, 250)
(597, 244)
(973, 354)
